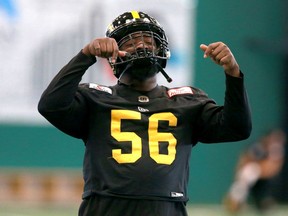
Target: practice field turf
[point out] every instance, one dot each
(194, 210)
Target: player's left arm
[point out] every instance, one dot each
(232, 121)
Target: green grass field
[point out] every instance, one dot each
(194, 210)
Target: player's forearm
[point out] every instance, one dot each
(61, 91)
(237, 112)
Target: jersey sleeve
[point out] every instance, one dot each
(61, 103)
(231, 122)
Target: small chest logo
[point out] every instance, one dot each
(143, 99)
(141, 109)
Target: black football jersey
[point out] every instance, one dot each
(138, 144)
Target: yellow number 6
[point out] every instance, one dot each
(155, 137)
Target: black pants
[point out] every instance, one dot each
(113, 206)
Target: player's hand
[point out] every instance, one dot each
(221, 55)
(104, 48)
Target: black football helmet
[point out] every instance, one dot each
(124, 28)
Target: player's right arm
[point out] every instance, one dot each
(61, 103)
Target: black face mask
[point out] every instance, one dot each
(142, 67)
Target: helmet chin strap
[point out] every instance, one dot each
(169, 80)
(129, 66)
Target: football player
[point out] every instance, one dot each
(138, 135)
(257, 173)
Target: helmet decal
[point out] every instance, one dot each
(135, 14)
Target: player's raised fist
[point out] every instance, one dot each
(222, 55)
(104, 48)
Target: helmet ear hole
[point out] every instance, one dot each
(130, 22)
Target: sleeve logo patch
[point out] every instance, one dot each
(179, 91)
(176, 194)
(100, 88)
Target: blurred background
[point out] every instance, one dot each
(40, 165)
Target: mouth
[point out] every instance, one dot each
(142, 57)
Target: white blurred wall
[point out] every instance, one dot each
(38, 37)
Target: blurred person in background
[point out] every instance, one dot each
(257, 173)
(139, 135)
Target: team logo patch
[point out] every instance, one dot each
(179, 91)
(100, 88)
(143, 99)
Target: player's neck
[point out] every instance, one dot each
(145, 85)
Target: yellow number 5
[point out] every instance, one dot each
(116, 116)
(154, 137)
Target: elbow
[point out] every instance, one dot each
(239, 132)
(245, 131)
(248, 128)
(41, 107)
(242, 126)
(249, 131)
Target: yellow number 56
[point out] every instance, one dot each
(154, 136)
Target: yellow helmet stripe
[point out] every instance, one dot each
(135, 14)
